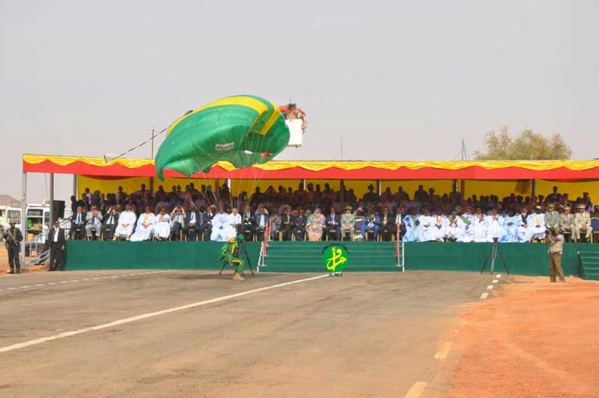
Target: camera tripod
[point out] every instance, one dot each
(495, 250)
(242, 253)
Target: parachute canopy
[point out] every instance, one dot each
(243, 130)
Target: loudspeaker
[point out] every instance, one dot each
(58, 208)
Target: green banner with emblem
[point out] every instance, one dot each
(335, 259)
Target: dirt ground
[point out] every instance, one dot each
(534, 339)
(530, 338)
(4, 264)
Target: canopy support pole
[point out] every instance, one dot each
(75, 187)
(533, 187)
(51, 194)
(24, 216)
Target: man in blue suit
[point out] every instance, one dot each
(193, 222)
(333, 225)
(370, 229)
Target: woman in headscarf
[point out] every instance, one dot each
(316, 223)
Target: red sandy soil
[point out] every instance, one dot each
(533, 339)
(4, 264)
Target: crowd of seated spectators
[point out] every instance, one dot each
(317, 214)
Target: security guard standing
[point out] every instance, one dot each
(556, 244)
(13, 238)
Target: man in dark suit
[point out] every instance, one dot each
(111, 220)
(248, 224)
(78, 224)
(299, 225)
(387, 226)
(57, 244)
(333, 225)
(261, 222)
(193, 224)
(206, 227)
(287, 221)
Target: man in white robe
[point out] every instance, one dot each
(162, 229)
(537, 224)
(427, 234)
(145, 226)
(524, 230)
(510, 233)
(222, 230)
(479, 226)
(126, 222)
(454, 227)
(495, 227)
(467, 218)
(412, 225)
(235, 219)
(439, 226)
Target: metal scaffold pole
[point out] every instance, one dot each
(23, 216)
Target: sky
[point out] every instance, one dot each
(395, 80)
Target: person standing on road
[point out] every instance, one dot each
(13, 238)
(57, 245)
(556, 245)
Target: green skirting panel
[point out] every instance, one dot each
(97, 255)
(521, 258)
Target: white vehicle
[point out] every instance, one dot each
(37, 220)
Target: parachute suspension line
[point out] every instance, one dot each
(142, 144)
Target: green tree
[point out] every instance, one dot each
(526, 146)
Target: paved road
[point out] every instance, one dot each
(360, 335)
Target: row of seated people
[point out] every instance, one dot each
(209, 225)
(469, 226)
(312, 196)
(466, 226)
(127, 225)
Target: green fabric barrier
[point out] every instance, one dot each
(100, 255)
(521, 258)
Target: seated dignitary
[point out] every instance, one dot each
(566, 222)
(144, 230)
(348, 223)
(261, 222)
(93, 225)
(387, 227)
(177, 222)
(193, 223)
(126, 223)
(234, 220)
(315, 226)
(370, 228)
(206, 227)
(111, 221)
(300, 223)
(78, 221)
(582, 224)
(222, 230)
(162, 228)
(536, 221)
(287, 221)
(333, 225)
(248, 224)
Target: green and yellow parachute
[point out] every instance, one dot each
(243, 130)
